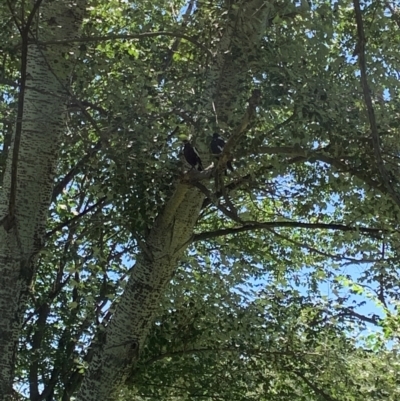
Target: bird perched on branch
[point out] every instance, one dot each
(217, 145)
(192, 155)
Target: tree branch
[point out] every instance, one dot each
(238, 131)
(71, 174)
(372, 320)
(316, 390)
(251, 226)
(220, 207)
(177, 41)
(36, 344)
(124, 36)
(301, 154)
(370, 109)
(394, 13)
(225, 349)
(325, 254)
(75, 218)
(230, 187)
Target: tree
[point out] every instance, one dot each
(315, 147)
(31, 160)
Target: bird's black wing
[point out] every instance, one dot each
(192, 156)
(217, 145)
(221, 143)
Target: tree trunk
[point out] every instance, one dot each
(30, 168)
(117, 349)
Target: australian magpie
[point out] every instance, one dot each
(192, 155)
(217, 145)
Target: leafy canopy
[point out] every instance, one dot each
(264, 306)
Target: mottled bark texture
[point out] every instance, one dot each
(23, 210)
(118, 348)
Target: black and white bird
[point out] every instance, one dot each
(217, 145)
(192, 155)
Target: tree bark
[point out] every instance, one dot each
(116, 350)
(30, 167)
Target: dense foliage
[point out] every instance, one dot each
(290, 286)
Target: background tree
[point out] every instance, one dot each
(306, 95)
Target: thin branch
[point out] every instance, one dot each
(32, 14)
(126, 37)
(50, 297)
(14, 17)
(349, 312)
(225, 349)
(302, 154)
(177, 41)
(36, 344)
(394, 13)
(370, 109)
(8, 82)
(316, 390)
(318, 155)
(280, 150)
(256, 143)
(50, 384)
(251, 226)
(325, 254)
(84, 103)
(239, 131)
(71, 174)
(343, 167)
(220, 207)
(230, 187)
(75, 218)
